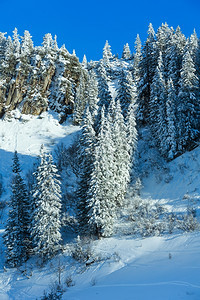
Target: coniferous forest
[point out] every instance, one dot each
(155, 88)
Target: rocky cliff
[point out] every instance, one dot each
(34, 79)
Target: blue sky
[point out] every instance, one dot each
(86, 25)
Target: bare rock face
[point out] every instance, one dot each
(34, 79)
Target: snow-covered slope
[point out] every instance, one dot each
(165, 267)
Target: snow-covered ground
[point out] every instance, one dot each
(154, 268)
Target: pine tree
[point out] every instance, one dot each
(48, 42)
(122, 159)
(16, 43)
(101, 202)
(27, 44)
(46, 216)
(84, 62)
(104, 94)
(126, 54)
(126, 91)
(17, 234)
(107, 54)
(188, 108)
(137, 60)
(85, 161)
(131, 130)
(81, 98)
(163, 43)
(157, 107)
(147, 70)
(92, 93)
(171, 120)
(193, 45)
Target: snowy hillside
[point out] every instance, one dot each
(120, 267)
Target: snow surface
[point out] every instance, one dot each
(156, 268)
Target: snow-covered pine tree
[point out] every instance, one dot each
(17, 234)
(188, 109)
(27, 44)
(85, 161)
(147, 70)
(193, 45)
(48, 42)
(101, 193)
(157, 107)
(125, 93)
(81, 98)
(137, 60)
(171, 120)
(126, 54)
(107, 54)
(8, 60)
(163, 43)
(175, 55)
(16, 43)
(92, 93)
(84, 62)
(121, 158)
(131, 130)
(104, 94)
(46, 223)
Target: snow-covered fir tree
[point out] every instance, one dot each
(188, 107)
(27, 44)
(92, 93)
(131, 131)
(147, 69)
(107, 54)
(126, 54)
(85, 159)
(137, 60)
(122, 159)
(16, 43)
(46, 222)
(101, 195)
(84, 62)
(81, 97)
(171, 120)
(125, 92)
(17, 233)
(157, 108)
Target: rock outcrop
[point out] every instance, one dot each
(34, 79)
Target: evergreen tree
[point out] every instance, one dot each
(48, 42)
(81, 98)
(92, 93)
(17, 233)
(46, 216)
(107, 54)
(101, 202)
(16, 43)
(188, 107)
(171, 120)
(84, 62)
(104, 94)
(163, 43)
(27, 44)
(85, 161)
(137, 60)
(121, 159)
(131, 130)
(157, 108)
(126, 54)
(147, 70)
(193, 46)
(125, 93)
